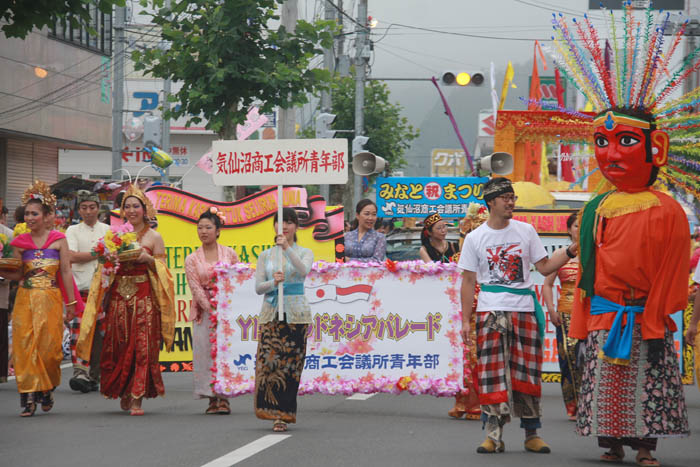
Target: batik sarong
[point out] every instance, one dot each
(643, 399)
(279, 363)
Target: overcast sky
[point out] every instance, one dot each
(407, 52)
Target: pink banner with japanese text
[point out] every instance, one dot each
(374, 329)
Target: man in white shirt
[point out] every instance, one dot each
(509, 322)
(81, 240)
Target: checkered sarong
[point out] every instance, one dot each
(507, 340)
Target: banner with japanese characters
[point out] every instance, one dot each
(280, 162)
(422, 196)
(248, 229)
(373, 329)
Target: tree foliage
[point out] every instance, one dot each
(232, 55)
(24, 15)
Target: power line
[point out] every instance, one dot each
(406, 59)
(464, 34)
(363, 26)
(63, 92)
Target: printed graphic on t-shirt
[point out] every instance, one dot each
(505, 263)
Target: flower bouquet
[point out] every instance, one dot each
(7, 262)
(119, 245)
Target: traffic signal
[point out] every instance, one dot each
(323, 125)
(152, 131)
(462, 78)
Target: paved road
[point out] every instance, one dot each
(384, 430)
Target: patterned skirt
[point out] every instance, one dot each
(278, 365)
(570, 372)
(639, 400)
(130, 354)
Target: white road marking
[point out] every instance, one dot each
(63, 367)
(244, 452)
(360, 397)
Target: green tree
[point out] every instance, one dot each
(232, 55)
(389, 133)
(24, 15)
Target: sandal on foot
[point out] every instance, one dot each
(474, 414)
(29, 409)
(646, 461)
(612, 457)
(454, 412)
(136, 411)
(489, 447)
(125, 403)
(47, 401)
(224, 407)
(279, 426)
(213, 406)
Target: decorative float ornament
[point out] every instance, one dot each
(159, 158)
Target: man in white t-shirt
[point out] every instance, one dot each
(81, 240)
(498, 255)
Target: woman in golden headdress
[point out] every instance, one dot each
(37, 318)
(139, 314)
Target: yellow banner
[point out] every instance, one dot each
(180, 235)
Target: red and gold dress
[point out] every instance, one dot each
(139, 316)
(566, 345)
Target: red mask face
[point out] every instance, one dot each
(622, 155)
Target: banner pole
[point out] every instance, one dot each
(280, 257)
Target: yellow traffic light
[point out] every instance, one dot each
(463, 78)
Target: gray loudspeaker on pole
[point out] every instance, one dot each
(498, 163)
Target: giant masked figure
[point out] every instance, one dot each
(634, 240)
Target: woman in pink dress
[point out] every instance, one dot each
(199, 268)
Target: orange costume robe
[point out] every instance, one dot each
(641, 244)
(639, 255)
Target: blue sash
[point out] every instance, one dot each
(291, 288)
(618, 346)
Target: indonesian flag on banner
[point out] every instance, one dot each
(338, 294)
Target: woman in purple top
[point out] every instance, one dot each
(363, 243)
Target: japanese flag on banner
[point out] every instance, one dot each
(337, 293)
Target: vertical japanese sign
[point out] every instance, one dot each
(421, 196)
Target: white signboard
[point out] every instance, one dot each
(280, 162)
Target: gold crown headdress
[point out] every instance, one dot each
(141, 196)
(39, 191)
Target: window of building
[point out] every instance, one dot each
(100, 22)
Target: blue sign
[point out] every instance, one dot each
(422, 196)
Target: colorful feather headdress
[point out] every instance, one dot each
(634, 70)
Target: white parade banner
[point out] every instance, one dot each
(280, 162)
(374, 329)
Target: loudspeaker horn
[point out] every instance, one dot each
(367, 163)
(499, 163)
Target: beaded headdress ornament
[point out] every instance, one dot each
(39, 191)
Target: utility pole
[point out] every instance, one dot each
(166, 122)
(287, 117)
(326, 102)
(118, 59)
(361, 56)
